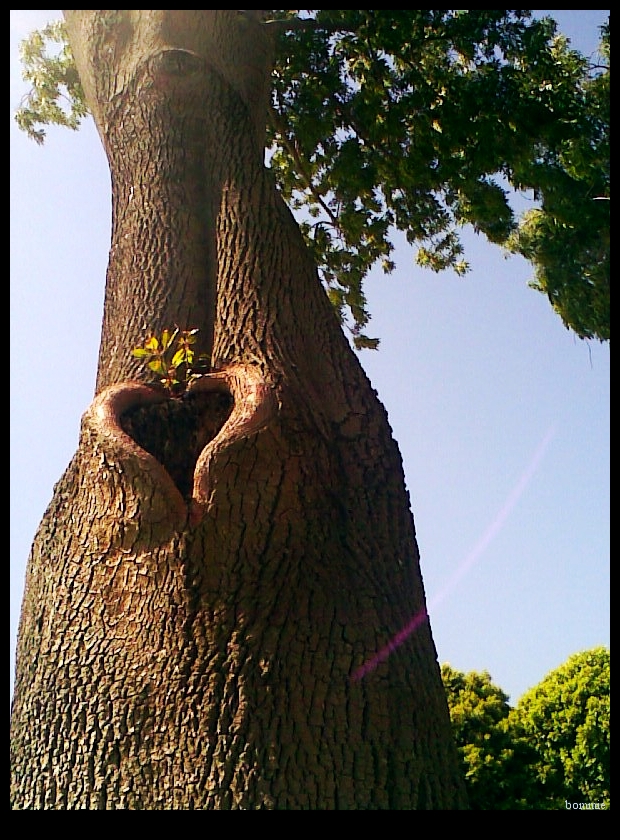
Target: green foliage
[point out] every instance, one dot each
(422, 121)
(496, 758)
(566, 718)
(56, 96)
(171, 358)
(553, 747)
(567, 238)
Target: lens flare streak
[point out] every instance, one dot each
(473, 556)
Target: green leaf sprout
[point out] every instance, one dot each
(172, 358)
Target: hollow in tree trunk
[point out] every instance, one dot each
(224, 608)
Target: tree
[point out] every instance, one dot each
(550, 749)
(567, 237)
(417, 120)
(495, 755)
(224, 607)
(566, 718)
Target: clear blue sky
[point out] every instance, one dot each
(501, 414)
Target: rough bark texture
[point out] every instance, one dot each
(213, 591)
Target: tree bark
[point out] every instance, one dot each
(224, 608)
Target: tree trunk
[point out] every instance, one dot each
(224, 608)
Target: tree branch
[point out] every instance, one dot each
(296, 24)
(302, 170)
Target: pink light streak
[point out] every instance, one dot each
(473, 556)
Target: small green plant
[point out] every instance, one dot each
(172, 358)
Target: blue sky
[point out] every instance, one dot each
(501, 414)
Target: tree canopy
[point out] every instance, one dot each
(566, 718)
(421, 121)
(552, 747)
(496, 759)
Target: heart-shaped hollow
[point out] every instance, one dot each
(177, 441)
(176, 431)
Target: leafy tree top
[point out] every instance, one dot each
(494, 756)
(422, 121)
(552, 747)
(566, 717)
